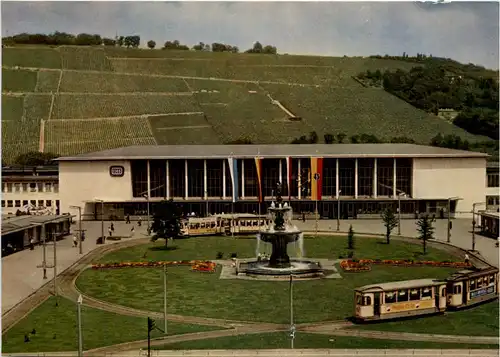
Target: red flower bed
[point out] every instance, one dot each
(196, 265)
(364, 264)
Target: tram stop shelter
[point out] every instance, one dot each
(489, 223)
(17, 231)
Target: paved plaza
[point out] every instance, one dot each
(21, 277)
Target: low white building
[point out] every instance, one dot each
(361, 179)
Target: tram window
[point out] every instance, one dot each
(473, 284)
(426, 293)
(359, 300)
(457, 289)
(414, 294)
(367, 301)
(402, 295)
(492, 279)
(390, 297)
(443, 293)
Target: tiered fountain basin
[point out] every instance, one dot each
(300, 268)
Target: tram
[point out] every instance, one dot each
(398, 299)
(224, 224)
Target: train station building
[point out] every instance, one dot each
(360, 179)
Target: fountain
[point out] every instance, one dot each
(279, 235)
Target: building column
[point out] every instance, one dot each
(149, 179)
(375, 180)
(223, 179)
(167, 180)
(299, 180)
(356, 176)
(186, 179)
(337, 178)
(242, 179)
(280, 168)
(394, 189)
(205, 181)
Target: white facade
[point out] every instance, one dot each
(85, 181)
(443, 178)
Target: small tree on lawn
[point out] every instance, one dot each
(166, 221)
(390, 222)
(350, 238)
(425, 230)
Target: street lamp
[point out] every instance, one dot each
(165, 297)
(399, 211)
(147, 198)
(316, 178)
(474, 223)
(79, 226)
(79, 313)
(206, 197)
(338, 210)
(102, 219)
(448, 236)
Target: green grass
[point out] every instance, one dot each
(48, 81)
(56, 329)
(196, 294)
(71, 137)
(483, 318)
(361, 110)
(82, 106)
(84, 58)
(183, 129)
(113, 82)
(18, 80)
(281, 340)
(38, 57)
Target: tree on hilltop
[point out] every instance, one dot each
(258, 48)
(151, 44)
(174, 45)
(108, 42)
(132, 41)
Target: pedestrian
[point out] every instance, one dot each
(139, 221)
(466, 258)
(83, 236)
(127, 220)
(75, 241)
(110, 232)
(303, 217)
(32, 244)
(112, 227)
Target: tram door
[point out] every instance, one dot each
(376, 304)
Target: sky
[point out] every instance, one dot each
(464, 31)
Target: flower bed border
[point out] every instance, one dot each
(365, 264)
(196, 265)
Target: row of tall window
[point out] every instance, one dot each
(20, 187)
(22, 203)
(270, 175)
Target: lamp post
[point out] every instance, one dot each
(79, 227)
(206, 198)
(338, 211)
(292, 326)
(474, 223)
(147, 199)
(102, 219)
(79, 313)
(165, 297)
(448, 235)
(399, 211)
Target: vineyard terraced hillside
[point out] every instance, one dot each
(71, 100)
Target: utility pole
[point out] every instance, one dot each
(292, 326)
(165, 297)
(338, 211)
(54, 234)
(79, 312)
(44, 252)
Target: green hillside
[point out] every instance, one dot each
(70, 100)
